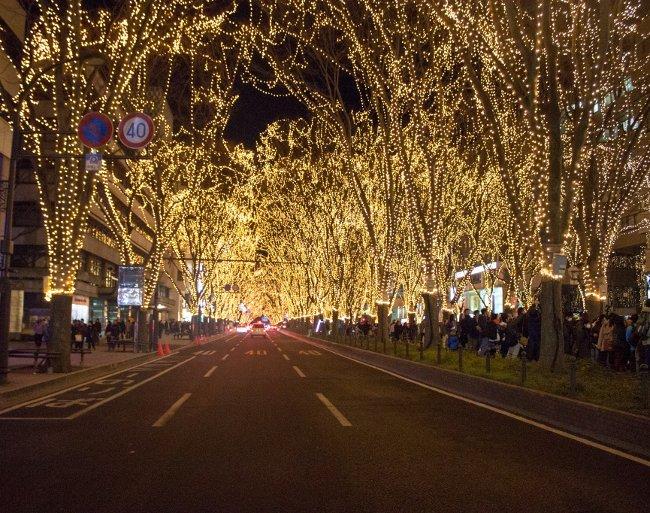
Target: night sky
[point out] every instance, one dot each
(254, 111)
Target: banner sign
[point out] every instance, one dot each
(130, 285)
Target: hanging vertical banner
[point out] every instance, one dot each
(130, 285)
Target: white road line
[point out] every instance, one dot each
(127, 390)
(545, 427)
(225, 356)
(299, 372)
(333, 410)
(232, 349)
(286, 357)
(170, 413)
(278, 348)
(212, 352)
(133, 375)
(209, 373)
(83, 389)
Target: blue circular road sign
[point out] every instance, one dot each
(95, 129)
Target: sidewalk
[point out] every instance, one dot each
(24, 384)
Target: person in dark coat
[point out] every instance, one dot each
(534, 328)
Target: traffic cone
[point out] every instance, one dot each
(160, 349)
(167, 350)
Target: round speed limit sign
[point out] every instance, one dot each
(135, 130)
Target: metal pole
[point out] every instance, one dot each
(154, 321)
(6, 250)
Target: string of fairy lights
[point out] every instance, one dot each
(441, 136)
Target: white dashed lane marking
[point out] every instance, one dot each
(334, 410)
(299, 372)
(209, 373)
(170, 413)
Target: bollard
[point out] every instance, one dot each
(645, 395)
(421, 348)
(383, 344)
(439, 353)
(460, 358)
(395, 346)
(524, 360)
(406, 346)
(375, 343)
(573, 367)
(488, 359)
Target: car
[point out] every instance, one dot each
(243, 328)
(257, 330)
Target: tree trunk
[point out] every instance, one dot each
(551, 353)
(382, 322)
(60, 335)
(432, 312)
(335, 324)
(142, 333)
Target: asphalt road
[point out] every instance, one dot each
(274, 424)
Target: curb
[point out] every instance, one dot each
(10, 398)
(621, 430)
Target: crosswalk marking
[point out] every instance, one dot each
(286, 357)
(225, 356)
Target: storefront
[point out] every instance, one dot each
(80, 308)
(97, 310)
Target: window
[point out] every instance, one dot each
(109, 276)
(94, 266)
(163, 292)
(27, 214)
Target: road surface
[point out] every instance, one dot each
(277, 425)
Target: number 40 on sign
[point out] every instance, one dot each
(136, 130)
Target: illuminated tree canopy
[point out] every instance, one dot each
(440, 136)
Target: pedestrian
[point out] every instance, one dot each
(46, 333)
(583, 336)
(605, 343)
(77, 336)
(621, 347)
(467, 329)
(38, 332)
(632, 341)
(643, 335)
(451, 332)
(513, 334)
(534, 332)
(88, 335)
(482, 328)
(391, 330)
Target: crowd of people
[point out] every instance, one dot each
(90, 333)
(616, 342)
